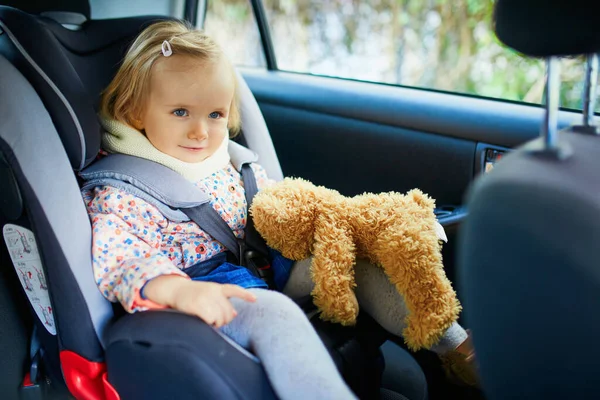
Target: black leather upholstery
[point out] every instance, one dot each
(542, 28)
(528, 252)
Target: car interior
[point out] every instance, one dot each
(518, 211)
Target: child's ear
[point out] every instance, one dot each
(137, 124)
(134, 117)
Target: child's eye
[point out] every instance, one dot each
(214, 115)
(180, 112)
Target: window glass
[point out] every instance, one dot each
(232, 24)
(106, 9)
(438, 44)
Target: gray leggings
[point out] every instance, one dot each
(377, 297)
(295, 360)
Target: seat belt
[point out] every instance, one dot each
(256, 251)
(252, 251)
(34, 384)
(211, 222)
(253, 238)
(36, 353)
(180, 200)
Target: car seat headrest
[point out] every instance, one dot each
(69, 20)
(40, 57)
(541, 28)
(58, 10)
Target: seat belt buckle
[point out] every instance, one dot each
(260, 265)
(242, 252)
(34, 384)
(257, 263)
(246, 258)
(30, 390)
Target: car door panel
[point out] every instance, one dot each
(357, 136)
(363, 137)
(355, 156)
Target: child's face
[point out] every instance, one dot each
(187, 108)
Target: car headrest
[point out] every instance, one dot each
(39, 56)
(69, 68)
(541, 28)
(52, 7)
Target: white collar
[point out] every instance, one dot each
(123, 139)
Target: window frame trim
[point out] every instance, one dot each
(190, 11)
(265, 35)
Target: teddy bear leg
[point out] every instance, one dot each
(379, 298)
(412, 261)
(332, 270)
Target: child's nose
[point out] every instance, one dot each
(199, 131)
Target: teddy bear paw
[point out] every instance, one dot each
(342, 310)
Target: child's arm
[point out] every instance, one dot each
(127, 260)
(126, 247)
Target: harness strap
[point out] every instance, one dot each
(253, 239)
(251, 252)
(211, 222)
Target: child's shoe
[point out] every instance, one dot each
(460, 365)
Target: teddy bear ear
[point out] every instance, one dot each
(421, 198)
(287, 201)
(284, 216)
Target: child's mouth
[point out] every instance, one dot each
(193, 149)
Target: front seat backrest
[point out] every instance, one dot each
(528, 251)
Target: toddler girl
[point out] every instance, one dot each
(173, 101)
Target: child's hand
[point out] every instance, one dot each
(207, 300)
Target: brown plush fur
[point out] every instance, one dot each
(392, 230)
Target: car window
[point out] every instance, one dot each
(105, 9)
(232, 24)
(441, 45)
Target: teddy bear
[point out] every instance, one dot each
(393, 231)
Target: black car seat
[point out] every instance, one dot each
(529, 253)
(56, 73)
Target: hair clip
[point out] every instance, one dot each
(166, 48)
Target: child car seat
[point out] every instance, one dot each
(56, 74)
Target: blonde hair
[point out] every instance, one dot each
(123, 99)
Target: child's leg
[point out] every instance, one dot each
(380, 299)
(295, 360)
(377, 297)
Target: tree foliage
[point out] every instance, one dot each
(446, 45)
